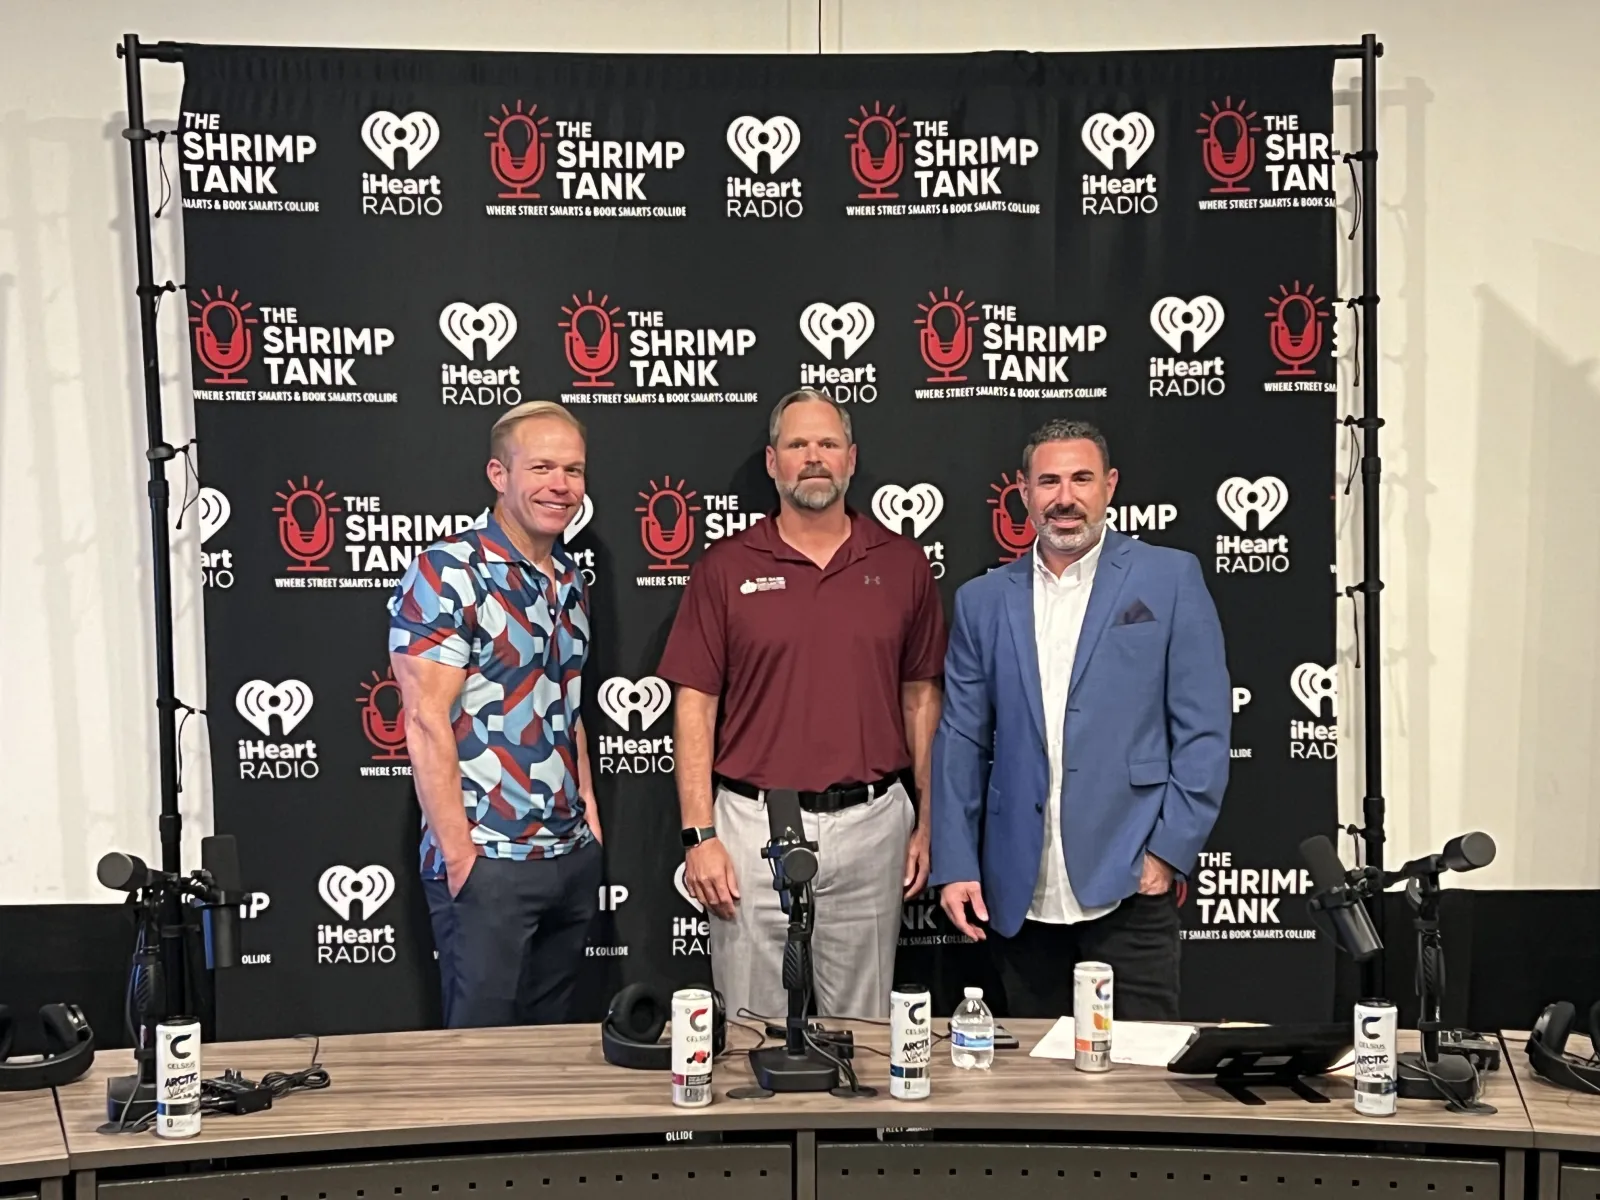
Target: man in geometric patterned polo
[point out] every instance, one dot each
(488, 633)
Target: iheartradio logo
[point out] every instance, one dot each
(683, 889)
(464, 327)
(517, 151)
(386, 134)
(383, 717)
(750, 137)
(305, 523)
(1010, 523)
(592, 344)
(1295, 319)
(580, 519)
(214, 510)
(1239, 497)
(667, 522)
(222, 337)
(342, 888)
(1312, 684)
(259, 701)
(849, 326)
(946, 338)
(619, 698)
(1228, 144)
(877, 152)
(1172, 317)
(921, 504)
(1132, 133)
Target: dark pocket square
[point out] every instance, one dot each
(1136, 613)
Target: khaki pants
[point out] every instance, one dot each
(861, 859)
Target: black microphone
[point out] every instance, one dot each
(797, 863)
(219, 858)
(1351, 921)
(122, 872)
(1468, 852)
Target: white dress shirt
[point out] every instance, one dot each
(1059, 603)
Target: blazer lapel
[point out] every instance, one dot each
(1109, 577)
(1019, 612)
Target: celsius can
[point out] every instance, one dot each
(910, 1042)
(692, 1018)
(1377, 1058)
(178, 1077)
(1091, 1016)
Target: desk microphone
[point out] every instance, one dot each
(1351, 921)
(796, 862)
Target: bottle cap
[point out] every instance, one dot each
(973, 993)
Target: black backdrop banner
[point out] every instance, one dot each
(386, 249)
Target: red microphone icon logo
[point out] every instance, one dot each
(386, 733)
(666, 522)
(600, 358)
(1295, 327)
(1013, 536)
(305, 523)
(876, 170)
(1228, 144)
(946, 353)
(222, 336)
(516, 150)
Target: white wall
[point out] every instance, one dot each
(1490, 265)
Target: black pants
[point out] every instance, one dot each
(511, 942)
(1139, 938)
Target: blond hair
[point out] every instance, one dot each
(505, 428)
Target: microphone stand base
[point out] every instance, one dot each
(776, 1070)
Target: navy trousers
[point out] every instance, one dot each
(511, 941)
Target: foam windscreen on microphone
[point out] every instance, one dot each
(219, 856)
(1468, 852)
(783, 815)
(122, 872)
(1322, 860)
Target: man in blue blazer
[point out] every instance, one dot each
(1083, 751)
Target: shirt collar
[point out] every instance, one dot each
(864, 535)
(497, 544)
(1084, 568)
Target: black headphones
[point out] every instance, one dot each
(1547, 1049)
(630, 1036)
(69, 1049)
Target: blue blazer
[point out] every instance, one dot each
(1148, 712)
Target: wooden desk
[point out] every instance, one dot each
(429, 1089)
(1564, 1122)
(32, 1148)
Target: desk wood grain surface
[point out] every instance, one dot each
(31, 1145)
(441, 1086)
(1562, 1119)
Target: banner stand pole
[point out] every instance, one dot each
(175, 985)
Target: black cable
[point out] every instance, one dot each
(1354, 305)
(1355, 625)
(1353, 463)
(187, 713)
(1355, 186)
(187, 501)
(166, 183)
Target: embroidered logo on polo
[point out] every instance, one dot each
(763, 583)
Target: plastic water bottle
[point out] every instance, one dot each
(972, 1033)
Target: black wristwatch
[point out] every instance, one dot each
(692, 837)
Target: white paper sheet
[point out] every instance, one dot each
(1135, 1043)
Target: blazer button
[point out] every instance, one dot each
(1038, 808)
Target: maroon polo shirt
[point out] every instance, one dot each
(808, 661)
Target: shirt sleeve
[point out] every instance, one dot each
(922, 656)
(434, 608)
(697, 648)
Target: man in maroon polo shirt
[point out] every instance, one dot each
(807, 654)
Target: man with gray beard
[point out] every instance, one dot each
(806, 654)
(1085, 734)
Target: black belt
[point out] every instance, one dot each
(830, 800)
